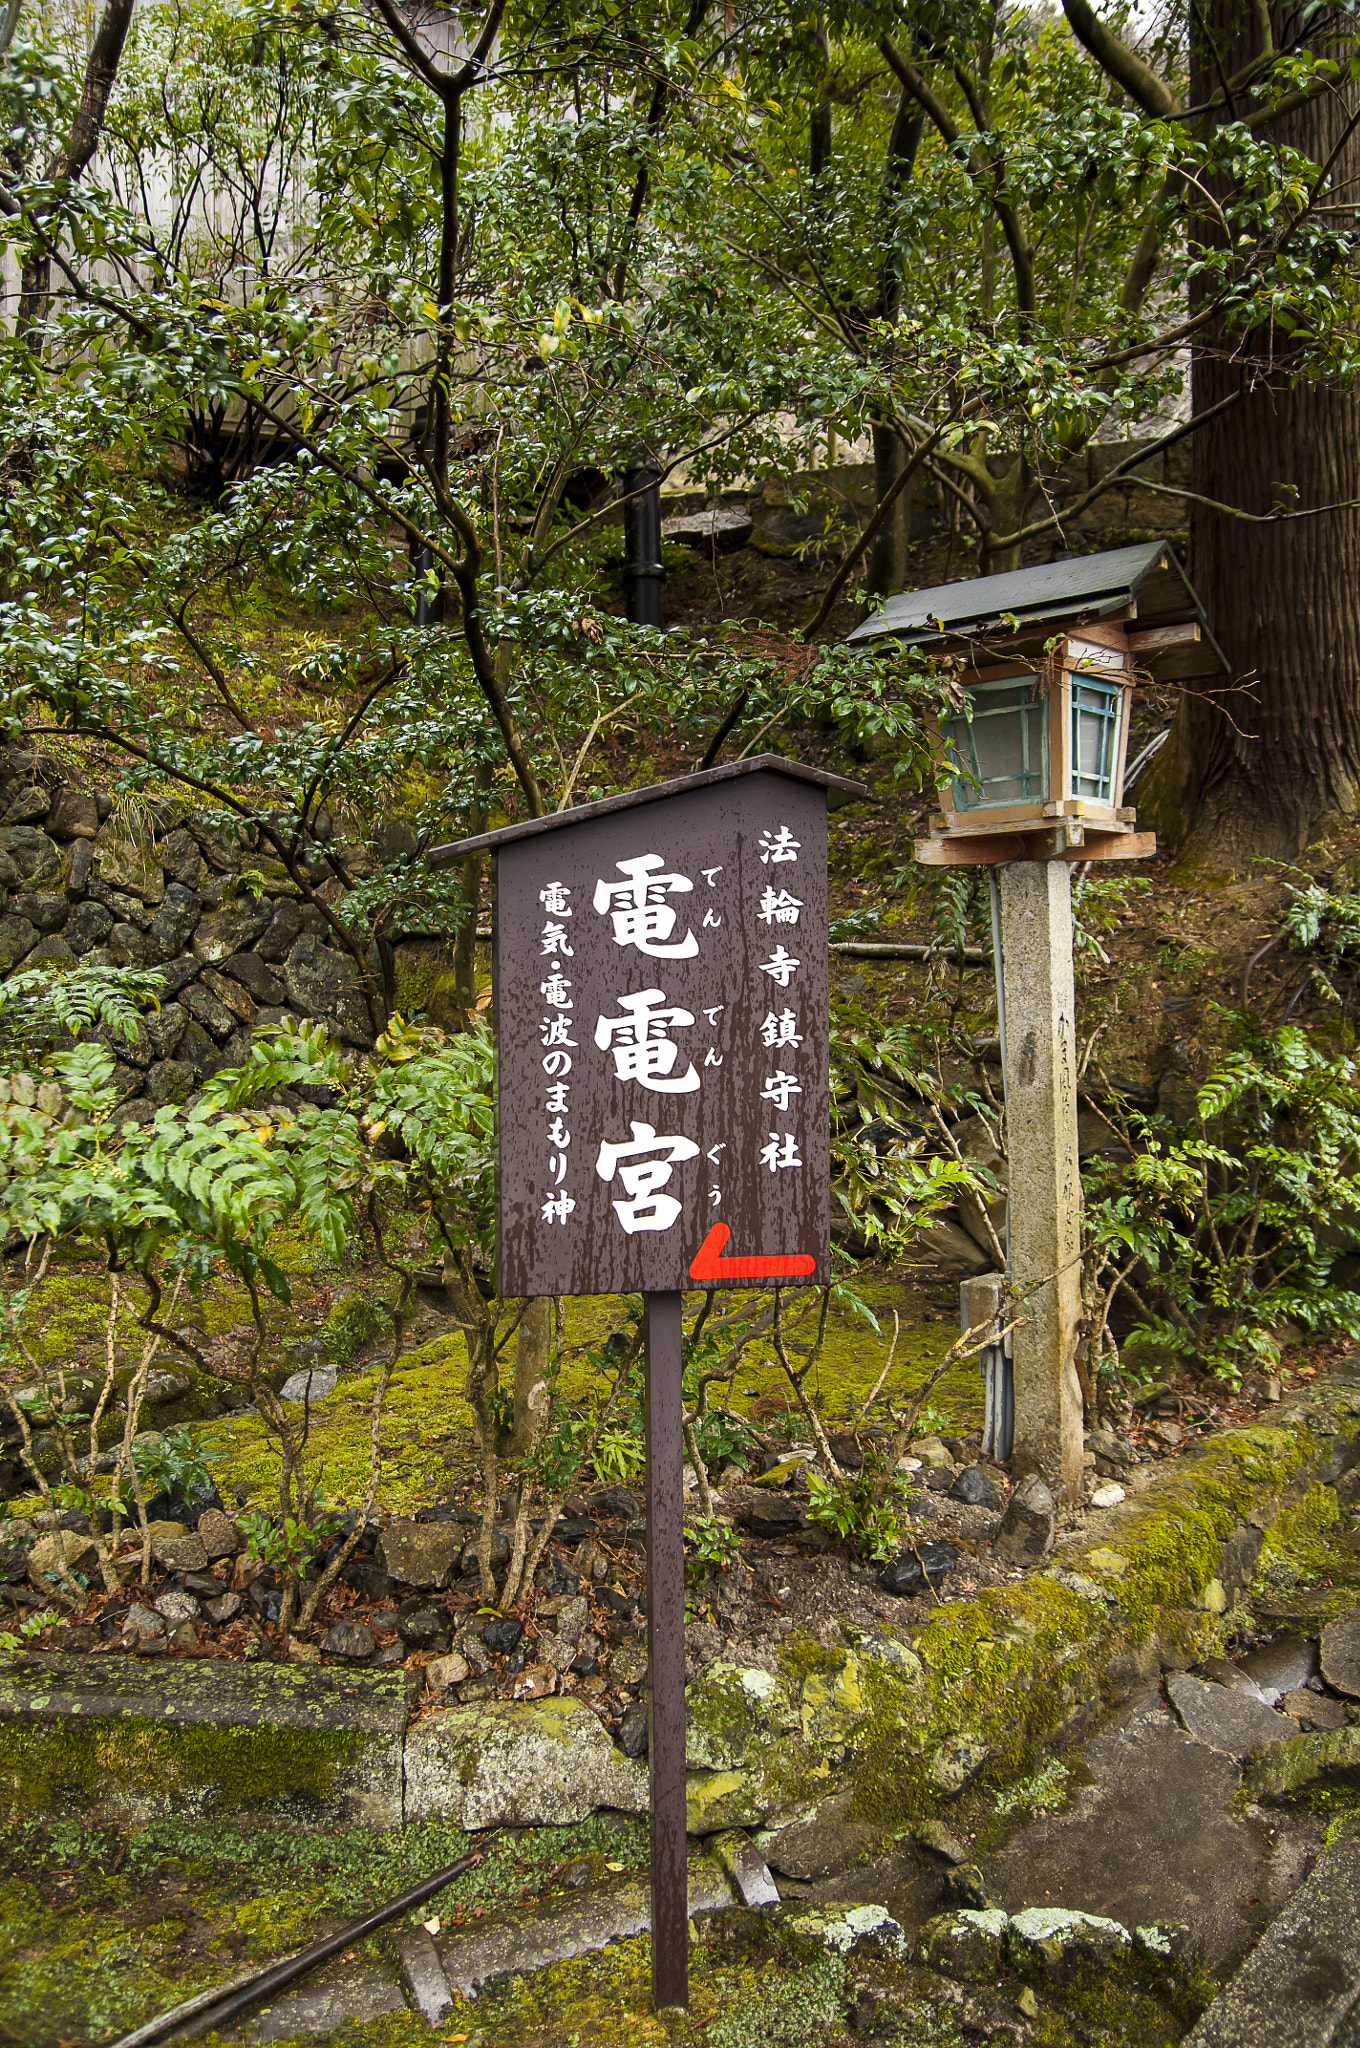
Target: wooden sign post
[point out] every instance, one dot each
(661, 990)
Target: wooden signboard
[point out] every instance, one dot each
(661, 990)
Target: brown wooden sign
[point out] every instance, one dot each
(661, 1011)
(661, 981)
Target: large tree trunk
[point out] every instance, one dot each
(1264, 774)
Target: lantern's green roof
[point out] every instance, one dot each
(1055, 593)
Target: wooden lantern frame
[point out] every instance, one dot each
(1058, 823)
(1135, 604)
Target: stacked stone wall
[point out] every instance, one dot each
(236, 943)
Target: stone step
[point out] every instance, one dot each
(1300, 1986)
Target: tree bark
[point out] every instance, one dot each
(68, 164)
(887, 570)
(533, 1388)
(1262, 775)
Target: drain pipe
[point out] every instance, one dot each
(643, 574)
(218, 2007)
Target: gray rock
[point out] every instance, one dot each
(1059, 1946)
(955, 1763)
(442, 1672)
(1317, 1711)
(235, 1050)
(130, 909)
(557, 1653)
(349, 1639)
(165, 1028)
(312, 1385)
(1300, 1986)
(175, 1605)
(230, 930)
(56, 1556)
(1027, 1531)
(750, 1874)
(1222, 1718)
(928, 1564)
(851, 1930)
(572, 1620)
(1341, 1655)
(771, 1515)
(935, 1837)
(720, 526)
(326, 985)
(964, 1885)
(164, 1387)
(825, 1844)
(88, 925)
(420, 1624)
(78, 874)
(966, 1945)
(53, 948)
(284, 926)
(203, 1005)
(45, 913)
(74, 815)
(635, 1729)
(541, 1762)
(974, 1489)
(181, 859)
(17, 938)
(1109, 1447)
(143, 1621)
(1280, 1666)
(173, 925)
(196, 1048)
(231, 994)
(218, 1534)
(176, 1548)
(29, 807)
(36, 859)
(227, 1608)
(422, 1553)
(128, 945)
(1167, 1941)
(397, 840)
(177, 974)
(628, 1664)
(129, 864)
(253, 973)
(266, 1719)
(422, 1971)
(1348, 1489)
(170, 1081)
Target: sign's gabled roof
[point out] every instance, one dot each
(1054, 593)
(443, 856)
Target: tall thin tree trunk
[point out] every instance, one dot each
(1265, 774)
(888, 556)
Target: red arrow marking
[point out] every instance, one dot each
(709, 1264)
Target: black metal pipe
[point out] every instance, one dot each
(643, 574)
(217, 2009)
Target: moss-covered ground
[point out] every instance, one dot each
(427, 1428)
(99, 1931)
(427, 1431)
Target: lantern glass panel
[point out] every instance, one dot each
(1005, 744)
(1096, 711)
